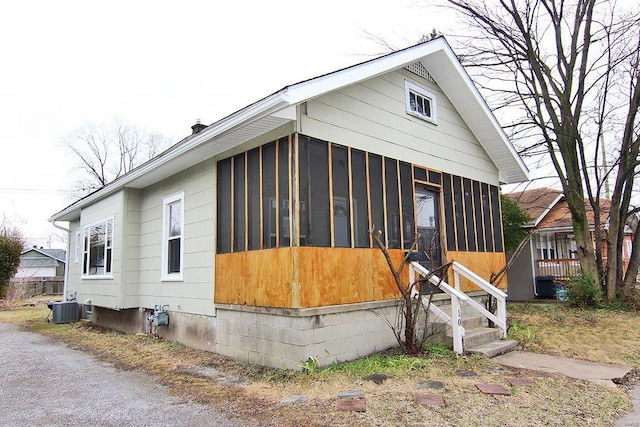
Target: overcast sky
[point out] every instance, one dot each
(159, 65)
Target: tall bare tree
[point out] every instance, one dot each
(571, 70)
(106, 151)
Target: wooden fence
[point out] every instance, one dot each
(25, 287)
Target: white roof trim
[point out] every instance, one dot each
(437, 57)
(548, 209)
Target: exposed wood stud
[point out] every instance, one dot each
(464, 214)
(295, 221)
(484, 227)
(353, 243)
(330, 160)
(493, 236)
(261, 203)
(415, 207)
(233, 201)
(473, 216)
(443, 228)
(501, 235)
(453, 210)
(246, 200)
(400, 213)
(292, 196)
(384, 202)
(277, 183)
(366, 159)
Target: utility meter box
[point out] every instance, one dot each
(160, 315)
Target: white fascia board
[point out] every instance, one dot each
(462, 80)
(270, 105)
(548, 209)
(553, 230)
(310, 89)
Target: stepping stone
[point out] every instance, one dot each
(294, 399)
(494, 369)
(493, 389)
(521, 381)
(428, 399)
(377, 378)
(352, 394)
(468, 374)
(351, 405)
(434, 385)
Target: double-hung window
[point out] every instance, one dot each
(97, 249)
(173, 237)
(420, 102)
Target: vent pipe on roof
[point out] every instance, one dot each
(197, 127)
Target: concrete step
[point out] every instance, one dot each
(475, 336)
(494, 348)
(478, 336)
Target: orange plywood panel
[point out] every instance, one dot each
(481, 263)
(330, 276)
(256, 278)
(305, 277)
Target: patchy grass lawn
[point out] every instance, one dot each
(253, 393)
(610, 336)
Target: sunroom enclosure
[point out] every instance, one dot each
(293, 221)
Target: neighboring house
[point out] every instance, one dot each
(551, 255)
(254, 230)
(40, 262)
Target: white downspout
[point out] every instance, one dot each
(66, 258)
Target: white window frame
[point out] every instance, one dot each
(86, 235)
(79, 243)
(411, 87)
(165, 275)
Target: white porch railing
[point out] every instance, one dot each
(458, 298)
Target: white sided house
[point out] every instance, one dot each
(253, 232)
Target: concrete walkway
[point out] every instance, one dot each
(601, 373)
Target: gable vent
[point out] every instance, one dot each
(418, 69)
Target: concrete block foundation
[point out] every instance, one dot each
(284, 338)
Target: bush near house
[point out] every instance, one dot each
(11, 244)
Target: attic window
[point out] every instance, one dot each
(420, 102)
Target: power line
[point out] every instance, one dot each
(29, 190)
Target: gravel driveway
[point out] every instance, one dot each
(47, 383)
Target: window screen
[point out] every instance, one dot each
(459, 211)
(497, 220)
(283, 191)
(269, 195)
(224, 206)
(393, 203)
(468, 215)
(341, 205)
(360, 199)
(319, 218)
(406, 185)
(377, 195)
(253, 178)
(477, 203)
(449, 219)
(238, 203)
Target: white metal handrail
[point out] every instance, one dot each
(458, 297)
